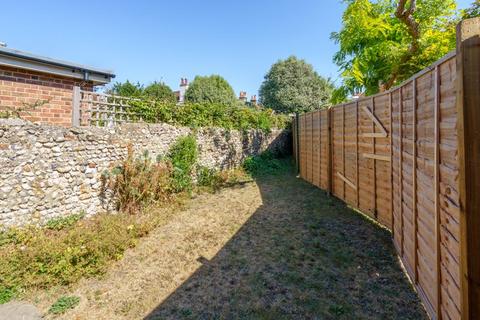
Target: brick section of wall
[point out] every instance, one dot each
(19, 87)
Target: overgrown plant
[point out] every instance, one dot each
(138, 182)
(64, 222)
(20, 112)
(37, 257)
(213, 180)
(264, 164)
(63, 304)
(195, 115)
(183, 156)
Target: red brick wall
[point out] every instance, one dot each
(19, 87)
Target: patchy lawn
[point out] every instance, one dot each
(276, 248)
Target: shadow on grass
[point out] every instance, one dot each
(301, 255)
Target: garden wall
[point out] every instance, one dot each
(48, 171)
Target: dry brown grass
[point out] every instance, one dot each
(274, 249)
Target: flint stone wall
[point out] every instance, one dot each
(48, 171)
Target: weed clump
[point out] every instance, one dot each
(64, 222)
(264, 164)
(138, 182)
(213, 180)
(42, 257)
(183, 156)
(63, 304)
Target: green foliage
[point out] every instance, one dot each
(41, 257)
(138, 182)
(160, 91)
(127, 89)
(472, 11)
(292, 85)
(207, 177)
(265, 164)
(70, 248)
(6, 294)
(64, 222)
(375, 45)
(213, 180)
(19, 112)
(197, 115)
(210, 89)
(183, 156)
(157, 91)
(63, 304)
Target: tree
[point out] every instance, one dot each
(384, 42)
(473, 11)
(292, 85)
(211, 89)
(127, 89)
(159, 91)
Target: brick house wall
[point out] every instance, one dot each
(20, 86)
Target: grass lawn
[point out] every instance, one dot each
(273, 248)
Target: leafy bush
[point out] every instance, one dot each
(210, 89)
(6, 294)
(63, 304)
(138, 182)
(207, 177)
(64, 222)
(127, 89)
(197, 115)
(183, 156)
(263, 164)
(213, 180)
(292, 85)
(41, 257)
(160, 92)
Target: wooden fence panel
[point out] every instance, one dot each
(324, 149)
(366, 184)
(315, 148)
(337, 124)
(350, 154)
(302, 139)
(393, 156)
(448, 206)
(399, 157)
(381, 170)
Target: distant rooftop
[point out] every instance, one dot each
(26, 60)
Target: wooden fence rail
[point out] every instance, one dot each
(409, 158)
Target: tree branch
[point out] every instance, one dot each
(406, 16)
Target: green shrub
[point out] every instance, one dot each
(263, 164)
(64, 222)
(197, 115)
(207, 176)
(212, 88)
(41, 257)
(6, 294)
(138, 182)
(183, 156)
(212, 180)
(63, 304)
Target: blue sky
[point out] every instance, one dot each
(166, 40)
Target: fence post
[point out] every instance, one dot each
(76, 106)
(468, 102)
(297, 142)
(329, 154)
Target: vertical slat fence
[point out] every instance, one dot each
(403, 157)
